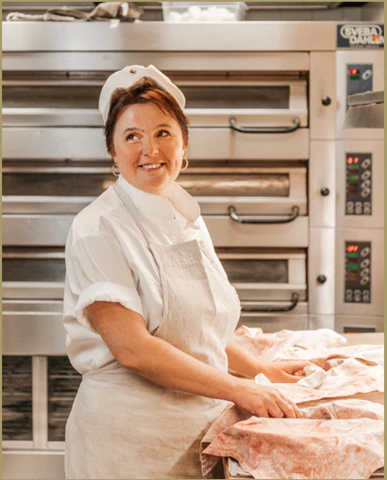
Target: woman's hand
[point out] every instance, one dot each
(288, 371)
(265, 401)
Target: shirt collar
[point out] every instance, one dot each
(161, 207)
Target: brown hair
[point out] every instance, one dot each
(145, 90)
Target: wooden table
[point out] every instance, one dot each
(352, 339)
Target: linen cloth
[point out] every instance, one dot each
(340, 439)
(348, 378)
(104, 11)
(323, 344)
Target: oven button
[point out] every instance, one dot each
(357, 298)
(366, 74)
(366, 295)
(367, 211)
(365, 263)
(365, 175)
(367, 204)
(365, 251)
(358, 210)
(348, 295)
(365, 192)
(364, 280)
(366, 271)
(366, 163)
(366, 184)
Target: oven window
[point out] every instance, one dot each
(57, 184)
(17, 398)
(247, 97)
(207, 96)
(34, 270)
(51, 96)
(256, 271)
(225, 185)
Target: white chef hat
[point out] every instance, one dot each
(128, 76)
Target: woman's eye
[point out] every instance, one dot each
(163, 133)
(131, 136)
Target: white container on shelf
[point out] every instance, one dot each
(203, 11)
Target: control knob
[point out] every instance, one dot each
(326, 100)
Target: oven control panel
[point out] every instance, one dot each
(359, 78)
(357, 272)
(358, 184)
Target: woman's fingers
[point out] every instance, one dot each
(296, 411)
(265, 401)
(287, 408)
(299, 366)
(262, 412)
(275, 411)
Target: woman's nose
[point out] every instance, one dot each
(149, 146)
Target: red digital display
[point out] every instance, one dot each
(356, 160)
(353, 71)
(349, 160)
(352, 248)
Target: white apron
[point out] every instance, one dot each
(124, 426)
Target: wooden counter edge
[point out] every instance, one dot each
(228, 477)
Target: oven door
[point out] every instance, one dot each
(234, 100)
(243, 203)
(261, 115)
(40, 201)
(33, 273)
(271, 285)
(251, 204)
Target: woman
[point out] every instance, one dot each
(149, 311)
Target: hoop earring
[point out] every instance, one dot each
(114, 172)
(186, 164)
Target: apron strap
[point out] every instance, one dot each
(128, 203)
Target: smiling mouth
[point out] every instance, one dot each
(151, 166)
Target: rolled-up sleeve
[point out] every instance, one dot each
(97, 270)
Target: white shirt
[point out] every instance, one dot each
(108, 259)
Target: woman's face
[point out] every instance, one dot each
(149, 148)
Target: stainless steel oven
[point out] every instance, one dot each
(269, 166)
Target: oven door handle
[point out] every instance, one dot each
(293, 304)
(233, 215)
(238, 128)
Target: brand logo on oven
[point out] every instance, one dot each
(358, 35)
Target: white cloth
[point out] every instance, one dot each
(348, 378)
(269, 347)
(234, 434)
(332, 415)
(107, 259)
(305, 345)
(125, 426)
